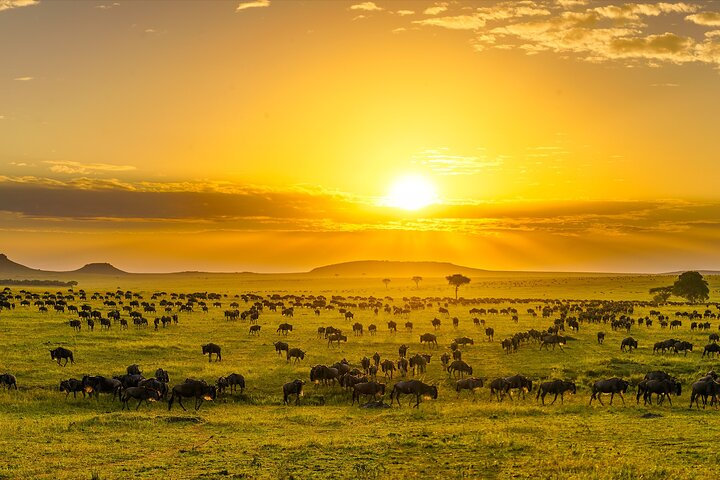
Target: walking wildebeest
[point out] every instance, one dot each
(436, 323)
(337, 338)
(461, 367)
(280, 347)
(141, 394)
(192, 388)
(387, 367)
(628, 344)
(293, 388)
(402, 350)
(211, 348)
(471, 384)
(254, 330)
(519, 382)
(703, 388)
(464, 341)
(553, 340)
(155, 384)
(497, 387)
(99, 384)
(9, 380)
(558, 387)
(295, 353)
(710, 349)
(284, 328)
(682, 347)
(367, 388)
(663, 389)
(612, 386)
(413, 387)
(428, 338)
(62, 353)
(231, 382)
(324, 374)
(376, 359)
(72, 385)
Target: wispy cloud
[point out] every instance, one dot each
(23, 79)
(74, 168)
(404, 13)
(107, 6)
(8, 4)
(252, 4)
(366, 6)
(437, 8)
(705, 18)
(442, 162)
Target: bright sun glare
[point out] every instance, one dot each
(411, 192)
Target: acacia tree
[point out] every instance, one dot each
(692, 287)
(386, 281)
(661, 294)
(457, 280)
(417, 279)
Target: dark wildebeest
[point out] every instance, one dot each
(471, 384)
(445, 360)
(461, 367)
(357, 328)
(714, 337)
(703, 388)
(612, 386)
(387, 367)
(211, 348)
(365, 364)
(376, 359)
(408, 326)
(436, 323)
(490, 332)
(99, 384)
(9, 380)
(464, 341)
(683, 347)
(62, 353)
(76, 324)
(155, 384)
(133, 370)
(628, 344)
(710, 349)
(293, 388)
(295, 353)
(456, 322)
(280, 347)
(601, 337)
(663, 389)
(337, 338)
(231, 382)
(402, 350)
(418, 363)
(129, 380)
(413, 387)
(498, 387)
(284, 328)
(558, 387)
(72, 385)
(402, 366)
(519, 382)
(392, 326)
(428, 338)
(254, 330)
(324, 374)
(162, 375)
(372, 329)
(553, 340)
(367, 388)
(348, 380)
(197, 389)
(141, 394)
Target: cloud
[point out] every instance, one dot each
(252, 4)
(404, 13)
(440, 162)
(711, 19)
(366, 6)
(8, 4)
(23, 79)
(85, 168)
(437, 8)
(634, 11)
(459, 22)
(107, 6)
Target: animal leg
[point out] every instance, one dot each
(556, 395)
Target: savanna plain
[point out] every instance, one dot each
(253, 434)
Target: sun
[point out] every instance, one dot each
(411, 192)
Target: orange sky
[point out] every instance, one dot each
(266, 135)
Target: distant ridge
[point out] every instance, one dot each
(10, 268)
(387, 268)
(100, 269)
(7, 266)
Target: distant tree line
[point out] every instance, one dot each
(39, 283)
(690, 285)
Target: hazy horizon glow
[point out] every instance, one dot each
(272, 136)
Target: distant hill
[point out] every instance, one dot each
(8, 267)
(386, 268)
(99, 269)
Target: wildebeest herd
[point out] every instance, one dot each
(363, 380)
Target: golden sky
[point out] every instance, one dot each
(269, 135)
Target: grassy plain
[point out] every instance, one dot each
(43, 435)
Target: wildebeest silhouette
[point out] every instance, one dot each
(141, 394)
(293, 388)
(558, 387)
(61, 353)
(367, 388)
(295, 353)
(612, 386)
(470, 384)
(8, 380)
(72, 385)
(211, 348)
(192, 388)
(413, 387)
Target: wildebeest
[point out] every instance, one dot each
(703, 388)
(392, 326)
(293, 388)
(428, 338)
(408, 326)
(628, 344)
(372, 328)
(254, 330)
(141, 394)
(436, 323)
(324, 374)
(231, 382)
(612, 386)
(662, 388)
(367, 388)
(683, 346)
(9, 380)
(418, 363)
(337, 338)
(155, 384)
(61, 353)
(280, 347)
(490, 333)
(211, 348)
(558, 387)
(710, 349)
(464, 341)
(197, 389)
(295, 353)
(357, 328)
(553, 340)
(413, 387)
(76, 324)
(99, 384)
(284, 328)
(402, 350)
(519, 382)
(387, 367)
(365, 364)
(461, 367)
(471, 384)
(133, 370)
(162, 375)
(402, 366)
(445, 360)
(498, 387)
(600, 337)
(376, 359)
(72, 385)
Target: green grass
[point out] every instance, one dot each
(43, 435)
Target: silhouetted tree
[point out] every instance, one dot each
(417, 279)
(457, 280)
(386, 281)
(692, 287)
(661, 294)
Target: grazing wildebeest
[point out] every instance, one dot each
(628, 344)
(324, 374)
(372, 328)
(387, 367)
(254, 330)
(337, 338)
(231, 382)
(436, 323)
(471, 384)
(72, 385)
(519, 382)
(293, 388)
(133, 369)
(367, 388)
(162, 375)
(376, 359)
(141, 394)
(683, 347)
(357, 328)
(280, 347)
(600, 337)
(553, 340)
(9, 380)
(61, 353)
(490, 332)
(710, 349)
(402, 350)
(706, 386)
(498, 387)
(75, 324)
(612, 386)
(392, 326)
(461, 367)
(295, 353)
(284, 328)
(192, 388)
(413, 387)
(428, 338)
(558, 387)
(464, 341)
(445, 360)
(211, 348)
